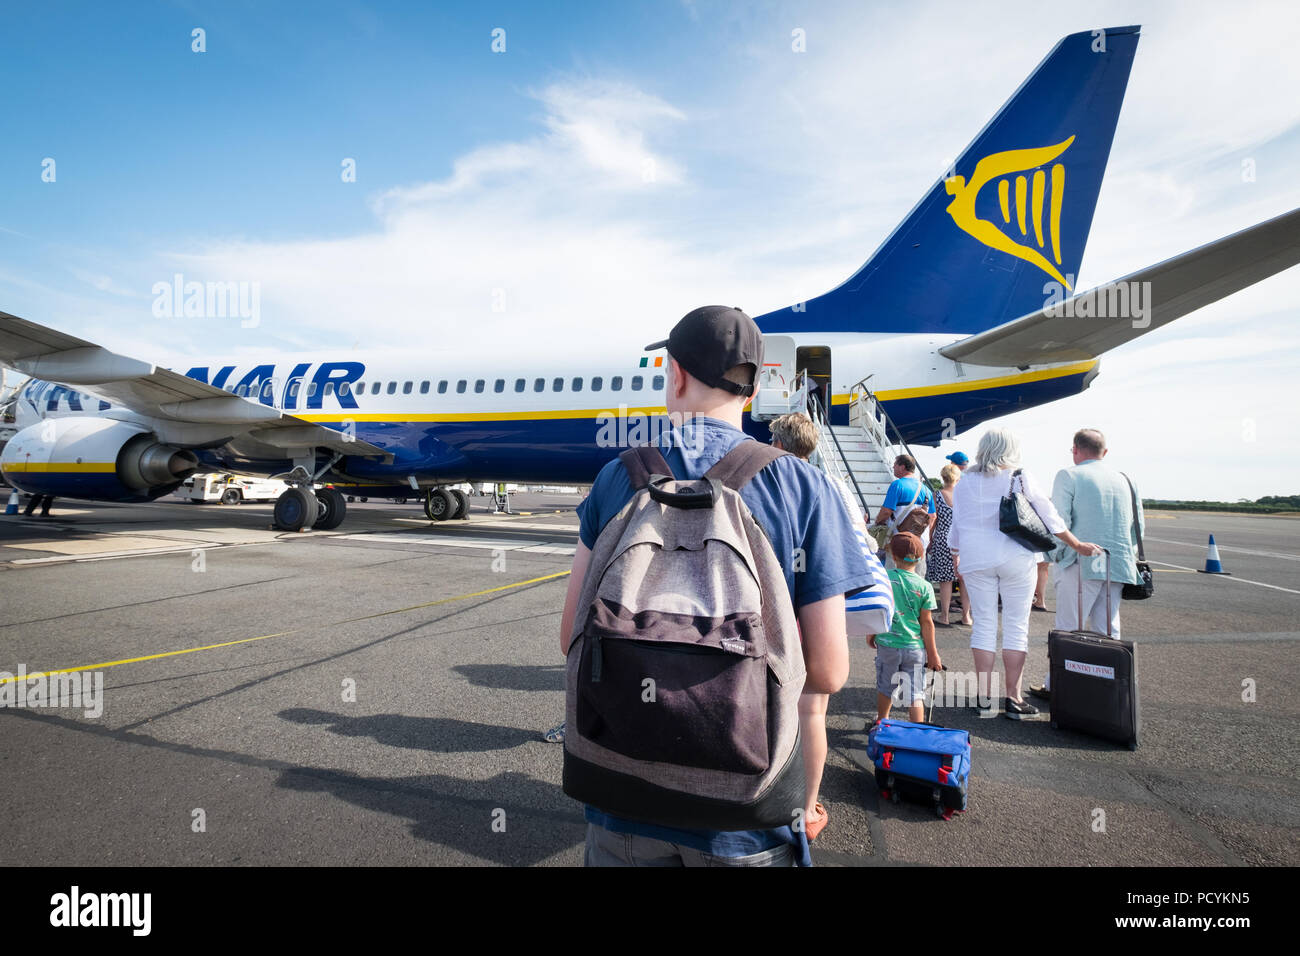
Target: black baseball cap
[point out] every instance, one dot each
(710, 341)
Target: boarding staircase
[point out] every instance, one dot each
(861, 453)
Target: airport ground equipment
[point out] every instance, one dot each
(1095, 680)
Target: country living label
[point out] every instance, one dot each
(1092, 670)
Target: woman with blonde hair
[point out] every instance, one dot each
(996, 566)
(941, 566)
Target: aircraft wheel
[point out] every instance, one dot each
(462, 505)
(296, 510)
(231, 496)
(439, 505)
(333, 508)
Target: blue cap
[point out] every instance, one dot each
(958, 458)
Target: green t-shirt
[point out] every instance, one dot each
(912, 595)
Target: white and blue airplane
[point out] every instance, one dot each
(966, 312)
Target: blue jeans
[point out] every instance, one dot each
(607, 848)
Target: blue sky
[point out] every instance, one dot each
(775, 175)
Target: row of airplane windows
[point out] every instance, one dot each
(597, 383)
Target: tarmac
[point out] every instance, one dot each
(378, 694)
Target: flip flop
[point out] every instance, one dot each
(942, 624)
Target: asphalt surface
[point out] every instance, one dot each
(438, 758)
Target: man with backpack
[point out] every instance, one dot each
(685, 662)
(909, 506)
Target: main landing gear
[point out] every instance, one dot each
(301, 509)
(442, 504)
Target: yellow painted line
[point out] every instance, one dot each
(32, 467)
(247, 640)
(975, 384)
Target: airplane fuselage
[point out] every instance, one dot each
(493, 416)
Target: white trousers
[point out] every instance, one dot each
(1014, 581)
(1094, 604)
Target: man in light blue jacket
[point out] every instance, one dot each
(1096, 503)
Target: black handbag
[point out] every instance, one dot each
(1146, 585)
(1018, 520)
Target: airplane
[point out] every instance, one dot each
(966, 312)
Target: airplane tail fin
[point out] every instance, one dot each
(1010, 216)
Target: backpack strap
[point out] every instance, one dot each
(742, 463)
(643, 462)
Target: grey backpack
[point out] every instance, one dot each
(684, 674)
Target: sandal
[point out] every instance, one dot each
(555, 735)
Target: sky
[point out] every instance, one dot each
(615, 165)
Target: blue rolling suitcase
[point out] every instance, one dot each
(922, 762)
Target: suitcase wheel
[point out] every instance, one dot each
(893, 796)
(1132, 745)
(939, 811)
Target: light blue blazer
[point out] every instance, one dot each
(1094, 500)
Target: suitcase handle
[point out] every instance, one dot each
(1080, 617)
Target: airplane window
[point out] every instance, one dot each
(596, 383)
(616, 383)
(519, 385)
(267, 387)
(636, 383)
(424, 388)
(406, 389)
(478, 386)
(392, 388)
(460, 387)
(500, 385)
(539, 385)
(576, 385)
(658, 385)
(241, 390)
(293, 388)
(442, 387)
(374, 389)
(311, 389)
(329, 388)
(557, 385)
(361, 388)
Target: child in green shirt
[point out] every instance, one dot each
(904, 652)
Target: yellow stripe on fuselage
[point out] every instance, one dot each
(31, 467)
(886, 395)
(503, 415)
(977, 384)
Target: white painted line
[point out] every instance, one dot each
(491, 544)
(1228, 547)
(1225, 577)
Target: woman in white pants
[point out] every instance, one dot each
(994, 565)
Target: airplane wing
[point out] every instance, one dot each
(144, 388)
(1071, 330)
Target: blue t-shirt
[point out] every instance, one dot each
(901, 491)
(808, 528)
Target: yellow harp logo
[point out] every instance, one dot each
(962, 207)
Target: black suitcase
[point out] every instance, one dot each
(1095, 680)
